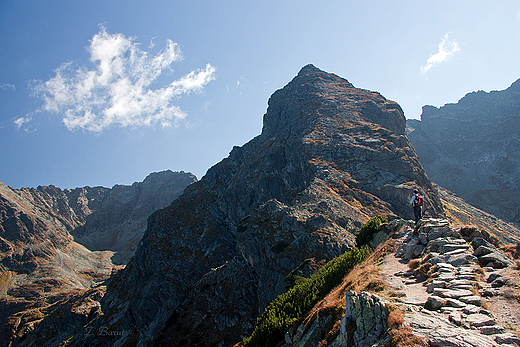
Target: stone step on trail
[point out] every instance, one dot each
(479, 320)
(472, 299)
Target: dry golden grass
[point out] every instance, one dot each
(400, 335)
(6, 280)
(395, 319)
(414, 264)
(513, 251)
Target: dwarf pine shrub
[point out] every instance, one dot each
(289, 307)
(367, 231)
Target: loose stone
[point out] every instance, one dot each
(456, 318)
(436, 284)
(479, 320)
(434, 302)
(507, 338)
(467, 277)
(471, 309)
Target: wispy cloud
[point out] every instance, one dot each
(7, 86)
(446, 49)
(21, 123)
(116, 91)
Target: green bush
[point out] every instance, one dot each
(292, 278)
(367, 231)
(291, 306)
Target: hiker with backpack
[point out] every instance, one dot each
(417, 202)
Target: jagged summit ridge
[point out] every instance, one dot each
(290, 107)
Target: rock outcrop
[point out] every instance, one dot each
(368, 316)
(472, 149)
(42, 266)
(329, 157)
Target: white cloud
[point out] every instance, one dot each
(19, 123)
(116, 90)
(7, 86)
(446, 49)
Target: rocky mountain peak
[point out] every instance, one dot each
(330, 157)
(313, 93)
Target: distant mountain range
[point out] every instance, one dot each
(472, 148)
(58, 243)
(172, 261)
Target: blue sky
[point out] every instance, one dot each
(105, 92)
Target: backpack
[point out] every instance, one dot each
(418, 200)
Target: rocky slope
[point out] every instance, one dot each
(472, 148)
(329, 157)
(42, 266)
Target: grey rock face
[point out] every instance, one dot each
(367, 315)
(471, 148)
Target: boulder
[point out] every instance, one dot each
(483, 250)
(438, 232)
(436, 284)
(456, 318)
(410, 248)
(499, 282)
(455, 303)
(449, 247)
(460, 259)
(471, 309)
(492, 330)
(459, 282)
(496, 259)
(472, 299)
(456, 293)
(457, 337)
(439, 331)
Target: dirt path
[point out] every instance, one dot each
(394, 272)
(506, 305)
